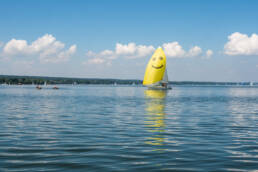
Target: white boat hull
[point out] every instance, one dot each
(159, 88)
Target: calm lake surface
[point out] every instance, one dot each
(126, 128)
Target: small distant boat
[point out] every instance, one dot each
(55, 88)
(38, 87)
(156, 73)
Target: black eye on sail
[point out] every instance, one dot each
(161, 58)
(154, 59)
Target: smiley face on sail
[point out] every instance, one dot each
(156, 68)
(157, 62)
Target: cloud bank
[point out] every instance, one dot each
(133, 51)
(47, 48)
(175, 50)
(241, 44)
(129, 51)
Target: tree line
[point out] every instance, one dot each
(40, 80)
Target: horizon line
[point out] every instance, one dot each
(1, 75)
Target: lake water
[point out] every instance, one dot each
(126, 128)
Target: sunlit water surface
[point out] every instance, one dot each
(107, 128)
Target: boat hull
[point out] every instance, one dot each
(160, 88)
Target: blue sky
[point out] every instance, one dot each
(115, 39)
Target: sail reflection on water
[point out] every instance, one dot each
(155, 116)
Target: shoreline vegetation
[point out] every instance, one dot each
(41, 80)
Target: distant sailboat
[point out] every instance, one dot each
(55, 88)
(38, 87)
(156, 76)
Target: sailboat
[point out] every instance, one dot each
(156, 76)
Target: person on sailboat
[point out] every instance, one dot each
(164, 84)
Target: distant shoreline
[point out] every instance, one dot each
(41, 80)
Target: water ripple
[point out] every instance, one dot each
(103, 128)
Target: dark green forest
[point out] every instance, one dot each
(40, 80)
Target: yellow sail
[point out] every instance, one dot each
(156, 68)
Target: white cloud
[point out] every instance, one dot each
(209, 53)
(125, 49)
(15, 47)
(143, 51)
(173, 49)
(195, 51)
(57, 56)
(44, 42)
(130, 51)
(241, 44)
(46, 47)
(107, 54)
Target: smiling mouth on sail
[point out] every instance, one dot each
(157, 67)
